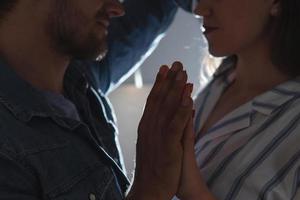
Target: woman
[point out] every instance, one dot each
(247, 119)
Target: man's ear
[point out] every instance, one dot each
(276, 8)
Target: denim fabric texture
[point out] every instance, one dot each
(46, 156)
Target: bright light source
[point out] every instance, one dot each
(138, 79)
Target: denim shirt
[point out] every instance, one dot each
(44, 155)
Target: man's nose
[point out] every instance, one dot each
(114, 8)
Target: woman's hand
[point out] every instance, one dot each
(192, 186)
(159, 146)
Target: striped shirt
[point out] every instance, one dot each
(254, 151)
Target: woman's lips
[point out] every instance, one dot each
(209, 29)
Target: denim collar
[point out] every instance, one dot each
(24, 101)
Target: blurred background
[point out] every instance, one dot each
(183, 42)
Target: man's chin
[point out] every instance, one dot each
(97, 50)
(90, 52)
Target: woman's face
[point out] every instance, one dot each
(234, 26)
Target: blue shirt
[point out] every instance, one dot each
(47, 155)
(61, 104)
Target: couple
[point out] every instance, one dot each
(57, 135)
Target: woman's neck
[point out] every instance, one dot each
(255, 70)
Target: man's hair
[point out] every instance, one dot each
(6, 6)
(286, 38)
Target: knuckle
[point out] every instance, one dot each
(171, 74)
(164, 89)
(173, 95)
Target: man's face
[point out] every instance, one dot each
(78, 28)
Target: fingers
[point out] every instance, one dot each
(155, 91)
(175, 92)
(171, 85)
(191, 182)
(159, 146)
(189, 142)
(163, 80)
(162, 74)
(167, 90)
(169, 97)
(175, 131)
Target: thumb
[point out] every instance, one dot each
(192, 184)
(189, 143)
(190, 175)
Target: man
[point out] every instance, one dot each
(57, 135)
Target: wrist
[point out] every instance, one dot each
(140, 192)
(198, 196)
(197, 193)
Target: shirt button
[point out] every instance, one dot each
(92, 196)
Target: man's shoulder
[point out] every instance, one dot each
(21, 138)
(10, 131)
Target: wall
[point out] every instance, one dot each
(183, 42)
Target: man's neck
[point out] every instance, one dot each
(28, 51)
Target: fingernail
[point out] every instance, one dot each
(176, 66)
(163, 70)
(180, 76)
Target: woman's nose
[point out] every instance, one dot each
(202, 9)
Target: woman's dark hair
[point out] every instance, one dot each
(6, 6)
(286, 38)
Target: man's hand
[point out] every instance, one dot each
(159, 146)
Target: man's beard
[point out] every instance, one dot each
(70, 35)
